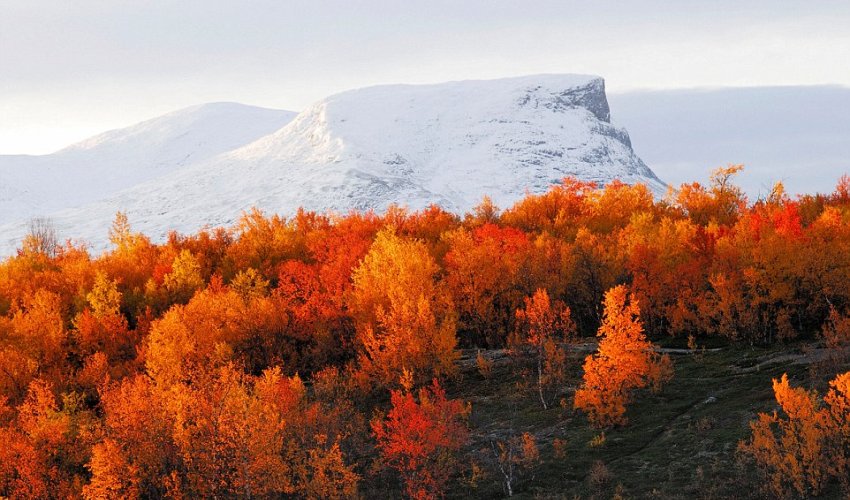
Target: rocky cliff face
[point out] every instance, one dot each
(590, 96)
(413, 145)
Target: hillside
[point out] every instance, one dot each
(580, 343)
(681, 443)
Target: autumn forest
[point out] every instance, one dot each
(586, 342)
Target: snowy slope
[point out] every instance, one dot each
(448, 143)
(108, 163)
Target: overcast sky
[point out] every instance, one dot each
(73, 68)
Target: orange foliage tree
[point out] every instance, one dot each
(721, 203)
(224, 434)
(515, 456)
(542, 328)
(484, 273)
(38, 344)
(594, 264)
(49, 442)
(809, 445)
(625, 361)
(669, 261)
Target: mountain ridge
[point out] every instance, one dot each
(118, 159)
(415, 145)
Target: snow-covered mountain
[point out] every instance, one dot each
(104, 165)
(448, 144)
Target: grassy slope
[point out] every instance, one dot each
(680, 443)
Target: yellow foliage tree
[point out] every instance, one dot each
(185, 277)
(102, 327)
(104, 298)
(404, 318)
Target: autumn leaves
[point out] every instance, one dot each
(808, 445)
(403, 318)
(407, 327)
(421, 439)
(624, 361)
(542, 330)
(299, 356)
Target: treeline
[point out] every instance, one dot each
(251, 361)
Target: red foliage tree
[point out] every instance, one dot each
(420, 439)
